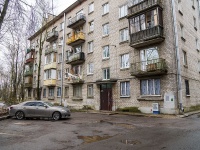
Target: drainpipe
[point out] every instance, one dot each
(179, 88)
(62, 65)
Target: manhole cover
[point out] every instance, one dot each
(131, 142)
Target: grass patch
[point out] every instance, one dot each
(192, 108)
(129, 109)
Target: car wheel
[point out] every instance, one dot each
(56, 116)
(19, 115)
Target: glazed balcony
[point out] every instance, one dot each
(78, 20)
(30, 50)
(50, 82)
(28, 73)
(51, 50)
(149, 68)
(76, 39)
(52, 36)
(146, 37)
(50, 66)
(76, 58)
(143, 6)
(28, 82)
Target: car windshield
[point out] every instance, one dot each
(48, 103)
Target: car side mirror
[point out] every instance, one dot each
(45, 106)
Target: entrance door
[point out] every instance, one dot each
(106, 97)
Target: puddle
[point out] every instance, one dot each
(91, 139)
(130, 142)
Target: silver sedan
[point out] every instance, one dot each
(36, 109)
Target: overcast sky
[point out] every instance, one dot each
(62, 5)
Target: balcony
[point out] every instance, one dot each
(149, 68)
(28, 82)
(50, 50)
(52, 36)
(30, 50)
(76, 58)
(50, 66)
(143, 6)
(29, 60)
(76, 39)
(146, 37)
(28, 73)
(50, 82)
(77, 21)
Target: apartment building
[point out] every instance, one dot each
(113, 54)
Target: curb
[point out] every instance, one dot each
(189, 114)
(4, 117)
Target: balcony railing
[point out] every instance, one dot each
(50, 82)
(78, 20)
(149, 68)
(76, 39)
(50, 66)
(135, 8)
(50, 50)
(29, 50)
(28, 73)
(52, 36)
(145, 37)
(76, 58)
(28, 82)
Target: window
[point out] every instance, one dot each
(150, 87)
(77, 49)
(187, 88)
(61, 41)
(105, 29)
(134, 2)
(51, 92)
(61, 26)
(199, 66)
(60, 58)
(105, 8)
(49, 74)
(125, 61)
(193, 4)
(66, 91)
(59, 74)
(29, 92)
(123, 35)
(44, 93)
(125, 89)
(90, 90)
(77, 70)
(58, 91)
(182, 32)
(180, 7)
(195, 23)
(123, 11)
(91, 7)
(66, 72)
(185, 58)
(91, 26)
(70, 20)
(106, 53)
(197, 44)
(50, 58)
(90, 46)
(77, 91)
(34, 79)
(90, 68)
(106, 74)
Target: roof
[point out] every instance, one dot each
(70, 8)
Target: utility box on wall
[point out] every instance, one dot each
(169, 100)
(155, 108)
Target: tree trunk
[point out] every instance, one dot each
(3, 13)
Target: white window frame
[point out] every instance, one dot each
(51, 92)
(105, 28)
(90, 90)
(60, 58)
(123, 11)
(197, 44)
(58, 91)
(61, 26)
(91, 8)
(185, 63)
(77, 91)
(147, 87)
(125, 61)
(90, 69)
(106, 52)
(59, 75)
(90, 46)
(105, 8)
(106, 74)
(126, 86)
(123, 35)
(91, 26)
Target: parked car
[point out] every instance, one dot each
(35, 109)
(3, 106)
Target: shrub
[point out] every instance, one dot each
(129, 109)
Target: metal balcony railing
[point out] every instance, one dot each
(77, 21)
(76, 58)
(134, 8)
(29, 50)
(150, 67)
(142, 38)
(51, 36)
(50, 50)
(76, 39)
(28, 73)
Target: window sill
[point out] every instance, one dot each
(150, 98)
(125, 96)
(123, 42)
(66, 96)
(77, 99)
(180, 12)
(90, 52)
(121, 18)
(186, 66)
(104, 36)
(58, 96)
(91, 74)
(124, 69)
(195, 28)
(90, 97)
(89, 13)
(104, 59)
(193, 7)
(90, 32)
(183, 39)
(187, 95)
(105, 14)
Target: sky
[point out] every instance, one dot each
(62, 5)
